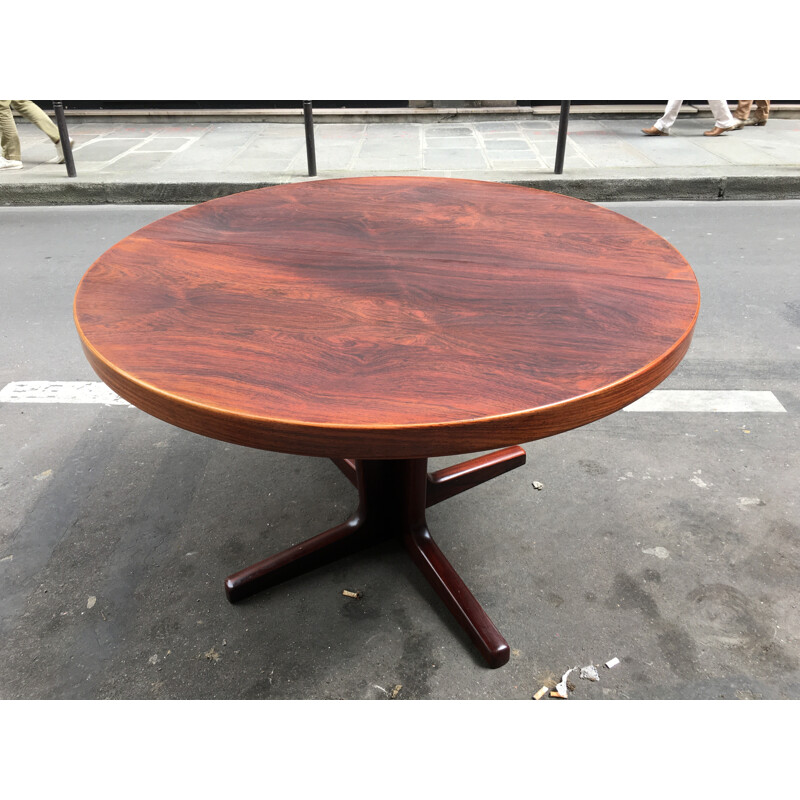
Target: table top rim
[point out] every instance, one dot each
(523, 413)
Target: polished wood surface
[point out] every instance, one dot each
(381, 321)
(450, 481)
(387, 318)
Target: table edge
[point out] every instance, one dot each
(387, 441)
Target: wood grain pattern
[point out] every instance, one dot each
(387, 317)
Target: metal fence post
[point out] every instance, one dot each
(63, 135)
(310, 152)
(561, 144)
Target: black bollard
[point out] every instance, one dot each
(561, 144)
(310, 153)
(63, 135)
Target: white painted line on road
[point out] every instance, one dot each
(706, 401)
(60, 392)
(658, 400)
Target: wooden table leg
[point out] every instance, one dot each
(348, 468)
(304, 557)
(393, 496)
(450, 481)
(457, 597)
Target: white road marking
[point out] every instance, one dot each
(60, 392)
(706, 401)
(657, 400)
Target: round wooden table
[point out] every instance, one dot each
(383, 321)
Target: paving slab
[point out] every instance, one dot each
(606, 157)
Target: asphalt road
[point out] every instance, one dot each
(669, 540)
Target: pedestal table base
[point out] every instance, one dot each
(392, 498)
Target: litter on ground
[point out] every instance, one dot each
(562, 689)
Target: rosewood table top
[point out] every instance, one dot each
(387, 317)
(382, 321)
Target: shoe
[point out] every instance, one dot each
(715, 131)
(758, 122)
(654, 132)
(737, 126)
(60, 150)
(9, 164)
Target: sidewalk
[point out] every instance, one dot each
(182, 160)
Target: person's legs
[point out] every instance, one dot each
(743, 109)
(762, 110)
(722, 114)
(9, 138)
(669, 116)
(34, 114)
(723, 119)
(665, 122)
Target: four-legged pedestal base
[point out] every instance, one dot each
(392, 498)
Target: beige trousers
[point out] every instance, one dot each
(9, 138)
(743, 109)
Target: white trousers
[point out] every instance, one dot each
(719, 108)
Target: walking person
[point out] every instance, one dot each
(9, 138)
(723, 119)
(742, 112)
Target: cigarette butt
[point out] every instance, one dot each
(612, 663)
(357, 595)
(396, 690)
(557, 694)
(541, 693)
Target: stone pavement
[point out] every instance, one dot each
(185, 159)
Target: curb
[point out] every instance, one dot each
(750, 187)
(399, 115)
(77, 193)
